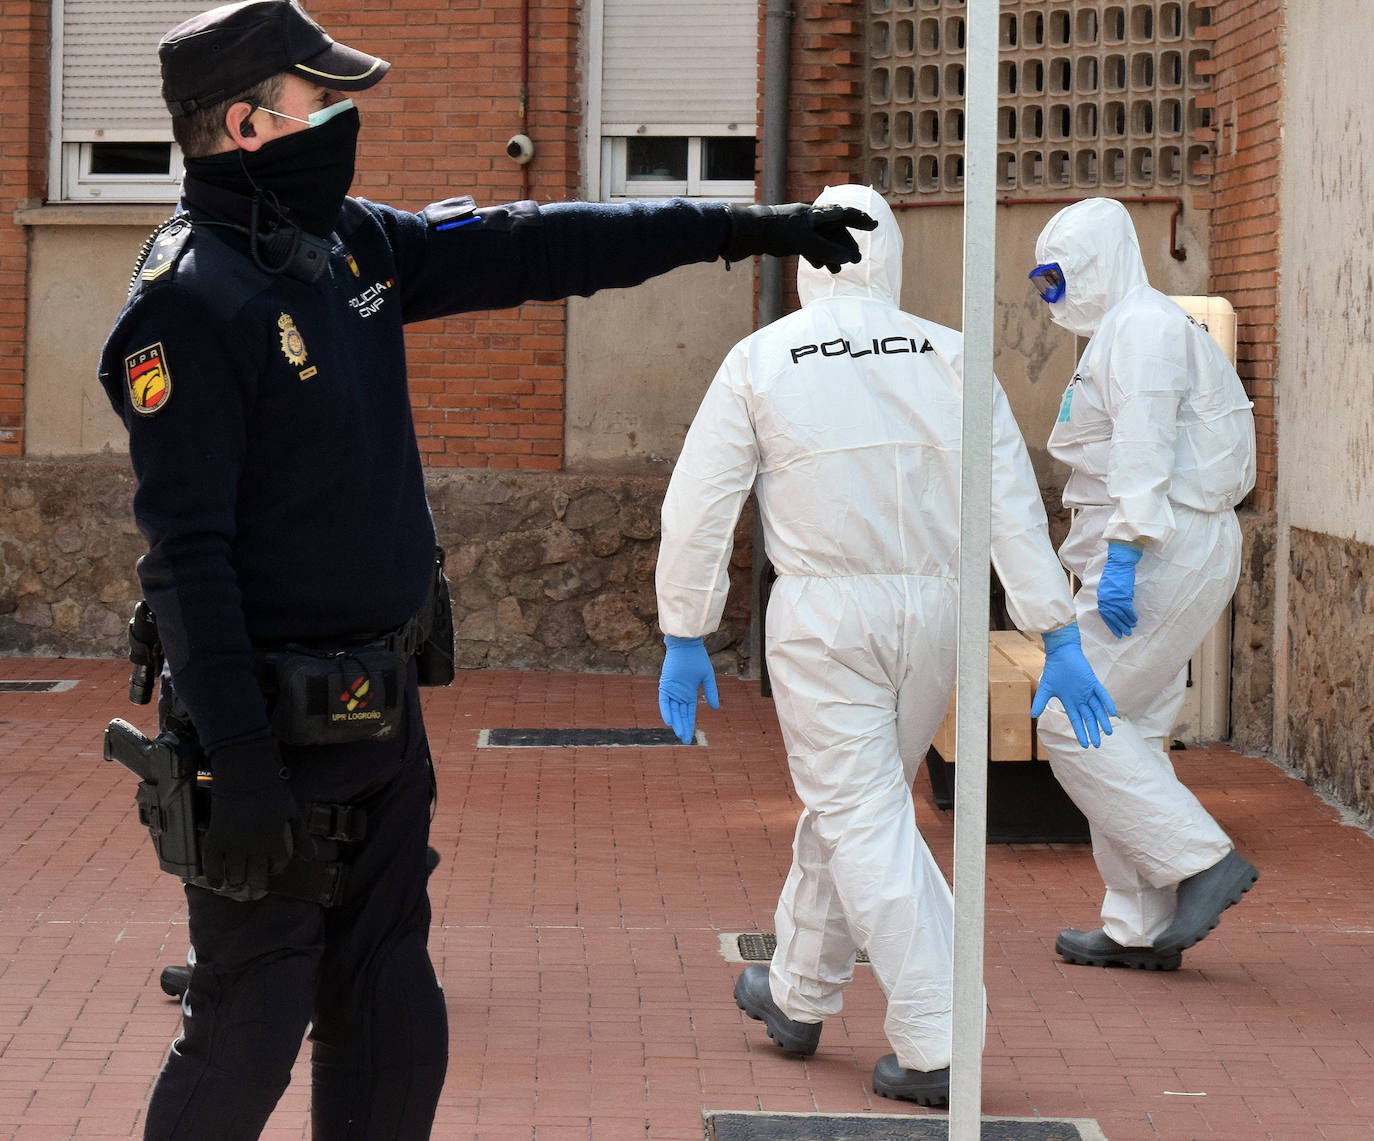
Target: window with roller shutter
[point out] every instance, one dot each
(111, 135)
(672, 98)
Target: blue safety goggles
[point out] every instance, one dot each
(1048, 280)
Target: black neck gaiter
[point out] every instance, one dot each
(303, 177)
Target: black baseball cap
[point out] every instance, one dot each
(220, 53)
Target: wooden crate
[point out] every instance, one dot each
(1025, 803)
(1014, 665)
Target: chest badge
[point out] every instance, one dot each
(149, 381)
(292, 343)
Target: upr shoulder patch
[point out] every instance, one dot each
(148, 379)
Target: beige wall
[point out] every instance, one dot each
(639, 362)
(1326, 290)
(1324, 540)
(78, 280)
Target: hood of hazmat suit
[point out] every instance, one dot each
(877, 274)
(1095, 244)
(845, 418)
(1155, 414)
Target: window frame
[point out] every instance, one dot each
(80, 184)
(616, 186)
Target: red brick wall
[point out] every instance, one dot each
(487, 388)
(826, 123)
(23, 145)
(1245, 105)
(825, 113)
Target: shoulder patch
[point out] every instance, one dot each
(160, 251)
(148, 379)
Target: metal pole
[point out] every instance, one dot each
(971, 726)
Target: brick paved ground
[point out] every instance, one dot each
(577, 916)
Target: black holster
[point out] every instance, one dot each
(173, 800)
(166, 798)
(434, 657)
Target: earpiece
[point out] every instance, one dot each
(246, 127)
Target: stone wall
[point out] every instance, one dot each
(548, 571)
(1331, 665)
(557, 572)
(67, 550)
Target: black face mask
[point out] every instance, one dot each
(301, 178)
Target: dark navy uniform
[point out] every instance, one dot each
(281, 493)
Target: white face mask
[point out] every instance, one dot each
(317, 118)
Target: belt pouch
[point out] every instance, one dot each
(336, 698)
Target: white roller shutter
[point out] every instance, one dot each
(669, 63)
(110, 86)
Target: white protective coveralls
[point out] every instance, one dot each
(1161, 442)
(846, 419)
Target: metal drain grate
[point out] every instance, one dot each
(36, 686)
(873, 1127)
(577, 738)
(758, 947)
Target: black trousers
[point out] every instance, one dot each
(357, 974)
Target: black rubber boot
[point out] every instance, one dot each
(924, 1087)
(1098, 949)
(175, 980)
(1203, 897)
(753, 996)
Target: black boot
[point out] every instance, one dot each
(924, 1087)
(755, 998)
(1203, 897)
(175, 980)
(1098, 949)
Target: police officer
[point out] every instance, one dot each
(259, 367)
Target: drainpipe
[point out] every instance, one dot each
(525, 190)
(777, 47)
(777, 44)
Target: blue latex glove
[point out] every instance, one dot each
(686, 669)
(1116, 590)
(1068, 677)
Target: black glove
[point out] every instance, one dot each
(819, 233)
(251, 816)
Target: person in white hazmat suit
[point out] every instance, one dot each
(1157, 431)
(845, 418)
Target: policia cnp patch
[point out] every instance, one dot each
(148, 378)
